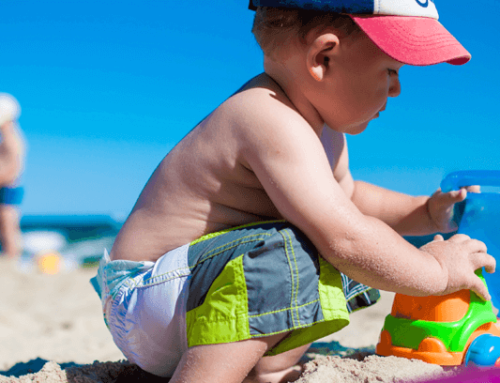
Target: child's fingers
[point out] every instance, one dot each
(459, 238)
(459, 195)
(475, 246)
(438, 237)
(484, 260)
(474, 189)
(480, 289)
(452, 197)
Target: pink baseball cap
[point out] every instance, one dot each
(409, 31)
(413, 40)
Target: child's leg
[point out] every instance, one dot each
(10, 234)
(233, 362)
(279, 368)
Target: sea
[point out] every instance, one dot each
(74, 240)
(80, 240)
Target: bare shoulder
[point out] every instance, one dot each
(262, 101)
(262, 118)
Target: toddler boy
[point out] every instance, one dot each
(251, 238)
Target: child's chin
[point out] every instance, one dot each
(353, 130)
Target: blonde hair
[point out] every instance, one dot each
(273, 27)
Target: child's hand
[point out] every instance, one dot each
(440, 207)
(459, 257)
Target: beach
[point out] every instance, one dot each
(52, 330)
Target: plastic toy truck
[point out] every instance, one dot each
(458, 328)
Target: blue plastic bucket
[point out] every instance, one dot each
(480, 218)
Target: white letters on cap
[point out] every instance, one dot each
(423, 8)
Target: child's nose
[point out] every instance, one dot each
(395, 87)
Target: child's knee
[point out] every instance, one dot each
(278, 368)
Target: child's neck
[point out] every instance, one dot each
(292, 89)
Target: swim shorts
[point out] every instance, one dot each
(251, 281)
(11, 195)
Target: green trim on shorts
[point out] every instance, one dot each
(223, 317)
(258, 280)
(217, 233)
(334, 309)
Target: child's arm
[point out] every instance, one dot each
(287, 157)
(406, 214)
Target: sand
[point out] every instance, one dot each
(51, 330)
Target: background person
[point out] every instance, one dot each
(12, 151)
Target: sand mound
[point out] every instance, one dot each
(322, 369)
(97, 372)
(373, 368)
(52, 330)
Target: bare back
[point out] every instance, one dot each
(200, 187)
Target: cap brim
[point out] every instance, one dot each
(413, 40)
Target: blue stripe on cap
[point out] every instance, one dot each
(339, 6)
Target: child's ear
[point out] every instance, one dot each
(320, 54)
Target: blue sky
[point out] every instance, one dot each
(107, 88)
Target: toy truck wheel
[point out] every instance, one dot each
(484, 351)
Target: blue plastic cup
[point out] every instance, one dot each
(480, 217)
